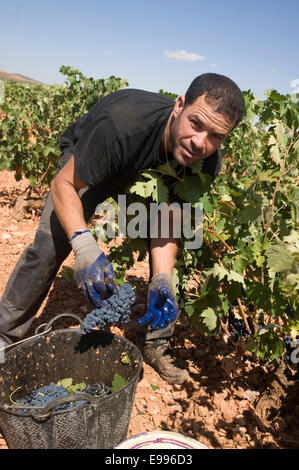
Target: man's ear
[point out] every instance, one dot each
(179, 105)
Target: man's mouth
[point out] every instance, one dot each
(190, 155)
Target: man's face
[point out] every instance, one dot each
(196, 131)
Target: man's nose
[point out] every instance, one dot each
(199, 141)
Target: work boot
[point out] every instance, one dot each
(157, 353)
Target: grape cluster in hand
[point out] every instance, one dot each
(112, 310)
(43, 396)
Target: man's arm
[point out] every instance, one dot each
(164, 250)
(66, 201)
(93, 271)
(162, 307)
(164, 253)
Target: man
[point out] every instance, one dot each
(125, 132)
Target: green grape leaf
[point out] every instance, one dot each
(227, 208)
(125, 359)
(191, 189)
(138, 188)
(220, 272)
(76, 387)
(189, 308)
(166, 169)
(279, 259)
(206, 321)
(206, 204)
(279, 133)
(266, 176)
(154, 387)
(196, 168)
(240, 264)
(274, 150)
(250, 213)
(233, 276)
(66, 383)
(70, 387)
(260, 295)
(293, 238)
(155, 188)
(118, 382)
(209, 319)
(267, 344)
(293, 280)
(67, 275)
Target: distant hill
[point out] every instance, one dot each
(18, 78)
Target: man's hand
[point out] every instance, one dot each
(93, 271)
(162, 307)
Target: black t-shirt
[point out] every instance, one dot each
(120, 136)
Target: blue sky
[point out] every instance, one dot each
(154, 44)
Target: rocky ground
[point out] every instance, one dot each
(219, 406)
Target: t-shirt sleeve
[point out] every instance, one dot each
(97, 153)
(67, 138)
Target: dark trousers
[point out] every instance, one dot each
(38, 265)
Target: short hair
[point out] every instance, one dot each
(220, 92)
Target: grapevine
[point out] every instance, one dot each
(250, 250)
(33, 117)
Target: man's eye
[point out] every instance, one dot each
(217, 137)
(196, 124)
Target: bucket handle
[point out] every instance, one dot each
(48, 328)
(47, 410)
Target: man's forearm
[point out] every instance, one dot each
(164, 249)
(68, 208)
(66, 201)
(163, 253)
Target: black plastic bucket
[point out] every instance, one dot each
(101, 423)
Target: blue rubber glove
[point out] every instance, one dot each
(162, 307)
(93, 271)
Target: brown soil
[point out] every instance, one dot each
(228, 401)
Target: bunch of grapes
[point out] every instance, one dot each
(98, 390)
(114, 309)
(237, 327)
(290, 312)
(43, 396)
